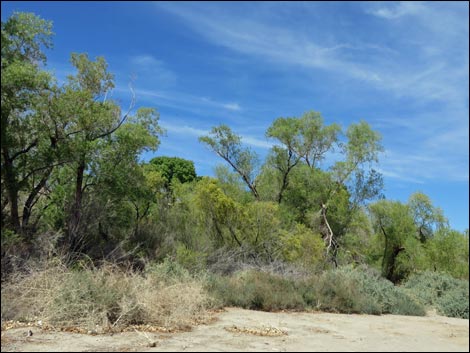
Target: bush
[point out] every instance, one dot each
(454, 303)
(450, 296)
(193, 261)
(346, 290)
(256, 290)
(166, 296)
(362, 290)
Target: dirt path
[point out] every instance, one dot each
(246, 330)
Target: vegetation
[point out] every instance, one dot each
(296, 231)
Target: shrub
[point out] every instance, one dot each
(454, 303)
(449, 295)
(346, 290)
(256, 290)
(166, 295)
(193, 261)
(362, 290)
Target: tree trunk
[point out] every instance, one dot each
(75, 214)
(32, 199)
(388, 262)
(12, 190)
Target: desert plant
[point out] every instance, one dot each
(166, 295)
(449, 295)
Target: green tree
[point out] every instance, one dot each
(447, 251)
(229, 147)
(99, 143)
(175, 168)
(219, 214)
(27, 143)
(301, 138)
(393, 220)
(427, 218)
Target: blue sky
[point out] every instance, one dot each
(401, 66)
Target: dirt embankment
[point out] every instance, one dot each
(246, 330)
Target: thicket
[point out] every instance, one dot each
(73, 188)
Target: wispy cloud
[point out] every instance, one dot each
(398, 10)
(183, 101)
(149, 67)
(420, 167)
(267, 41)
(232, 106)
(425, 62)
(291, 46)
(228, 106)
(187, 130)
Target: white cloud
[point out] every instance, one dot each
(187, 130)
(425, 63)
(256, 142)
(147, 61)
(148, 67)
(184, 101)
(232, 106)
(183, 129)
(289, 45)
(399, 10)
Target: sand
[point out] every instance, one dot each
(246, 330)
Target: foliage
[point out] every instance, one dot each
(175, 168)
(449, 295)
(223, 141)
(303, 247)
(363, 291)
(345, 289)
(193, 261)
(393, 221)
(285, 232)
(447, 251)
(256, 290)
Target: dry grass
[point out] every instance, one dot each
(106, 299)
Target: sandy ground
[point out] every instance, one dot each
(245, 330)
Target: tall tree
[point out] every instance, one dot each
(175, 168)
(229, 147)
(428, 219)
(27, 142)
(302, 138)
(393, 220)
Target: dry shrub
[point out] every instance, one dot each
(105, 297)
(25, 296)
(178, 305)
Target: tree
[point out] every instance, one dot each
(228, 146)
(99, 143)
(447, 251)
(28, 143)
(427, 218)
(302, 138)
(175, 168)
(355, 173)
(220, 215)
(393, 220)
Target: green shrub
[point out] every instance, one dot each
(454, 303)
(193, 261)
(256, 290)
(345, 289)
(168, 271)
(449, 295)
(338, 291)
(362, 290)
